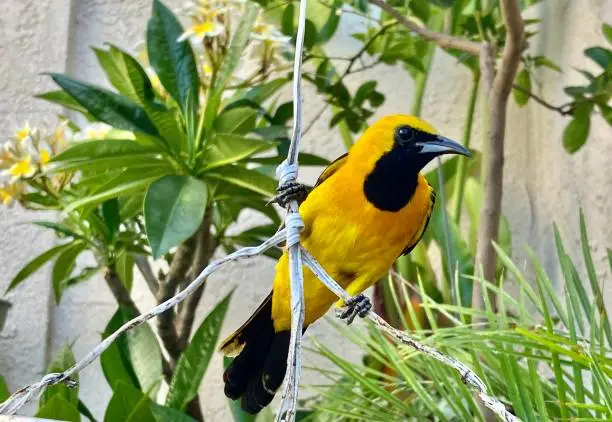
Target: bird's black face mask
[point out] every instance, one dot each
(392, 183)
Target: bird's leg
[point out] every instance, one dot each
(357, 305)
(288, 192)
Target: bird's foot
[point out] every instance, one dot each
(357, 305)
(289, 192)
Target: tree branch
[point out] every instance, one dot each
(442, 40)
(120, 293)
(564, 110)
(165, 325)
(147, 273)
(493, 166)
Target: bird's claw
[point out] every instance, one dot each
(289, 192)
(357, 305)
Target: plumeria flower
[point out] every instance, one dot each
(22, 168)
(205, 25)
(10, 192)
(7, 156)
(93, 132)
(24, 133)
(263, 31)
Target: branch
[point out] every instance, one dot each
(33, 391)
(120, 293)
(493, 165)
(564, 110)
(147, 273)
(442, 40)
(165, 324)
(204, 249)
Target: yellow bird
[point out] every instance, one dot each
(367, 208)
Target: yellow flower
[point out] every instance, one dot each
(24, 133)
(44, 158)
(207, 25)
(263, 31)
(7, 156)
(9, 193)
(23, 168)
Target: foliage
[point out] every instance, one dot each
(548, 357)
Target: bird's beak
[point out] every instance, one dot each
(442, 145)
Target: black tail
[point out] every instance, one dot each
(258, 371)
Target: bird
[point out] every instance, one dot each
(367, 208)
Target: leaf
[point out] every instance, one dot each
(110, 212)
(194, 361)
(63, 267)
(36, 263)
(246, 178)
(64, 99)
(4, 391)
(125, 269)
(60, 229)
(331, 25)
(236, 48)
(540, 61)
(58, 408)
(134, 358)
(63, 360)
(607, 31)
(601, 56)
(108, 107)
(227, 148)
(287, 20)
(262, 92)
(524, 81)
(236, 120)
(172, 60)
(166, 414)
(173, 209)
(127, 188)
(576, 132)
(304, 159)
(128, 404)
(85, 411)
(364, 92)
(91, 150)
(122, 76)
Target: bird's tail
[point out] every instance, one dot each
(259, 368)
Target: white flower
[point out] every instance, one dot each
(94, 131)
(205, 25)
(263, 31)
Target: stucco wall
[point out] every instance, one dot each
(542, 183)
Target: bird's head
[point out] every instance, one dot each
(407, 139)
(390, 155)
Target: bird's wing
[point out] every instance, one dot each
(415, 241)
(331, 169)
(326, 174)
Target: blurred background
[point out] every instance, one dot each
(543, 183)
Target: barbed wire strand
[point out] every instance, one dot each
(298, 256)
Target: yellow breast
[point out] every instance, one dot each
(354, 241)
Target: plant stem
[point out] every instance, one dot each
(462, 164)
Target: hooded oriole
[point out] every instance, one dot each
(367, 208)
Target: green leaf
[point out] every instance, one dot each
(108, 107)
(124, 76)
(236, 120)
(601, 56)
(167, 414)
(173, 210)
(246, 178)
(540, 61)
(134, 358)
(607, 31)
(87, 151)
(128, 404)
(236, 48)
(63, 267)
(85, 411)
(4, 391)
(227, 148)
(364, 92)
(577, 131)
(331, 25)
(65, 100)
(125, 269)
(262, 92)
(36, 263)
(58, 408)
(63, 360)
(194, 361)
(60, 229)
(304, 159)
(172, 60)
(524, 81)
(110, 212)
(127, 188)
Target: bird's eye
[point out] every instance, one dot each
(405, 134)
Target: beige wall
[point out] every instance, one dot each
(542, 183)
